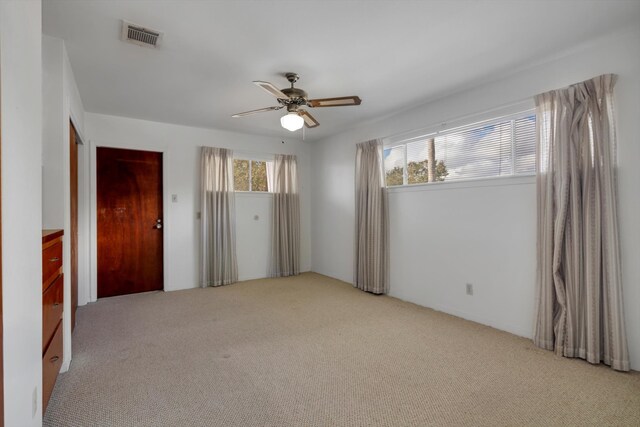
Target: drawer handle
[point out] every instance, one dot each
(55, 304)
(54, 259)
(54, 359)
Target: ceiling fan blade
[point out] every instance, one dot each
(261, 110)
(268, 87)
(309, 120)
(334, 102)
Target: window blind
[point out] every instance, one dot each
(498, 147)
(525, 145)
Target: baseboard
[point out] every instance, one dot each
(65, 366)
(246, 278)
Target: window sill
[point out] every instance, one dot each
(253, 194)
(470, 183)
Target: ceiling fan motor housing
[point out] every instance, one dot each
(296, 96)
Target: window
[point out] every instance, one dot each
(394, 165)
(241, 175)
(259, 176)
(499, 147)
(250, 175)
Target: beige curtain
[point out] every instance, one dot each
(371, 269)
(579, 290)
(219, 265)
(285, 236)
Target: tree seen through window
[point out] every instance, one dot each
(250, 175)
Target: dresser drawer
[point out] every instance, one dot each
(51, 263)
(51, 363)
(51, 309)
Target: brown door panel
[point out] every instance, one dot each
(129, 184)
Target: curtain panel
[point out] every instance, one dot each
(219, 265)
(371, 269)
(285, 232)
(579, 310)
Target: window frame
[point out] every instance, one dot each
(461, 125)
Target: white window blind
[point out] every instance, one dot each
(493, 148)
(525, 145)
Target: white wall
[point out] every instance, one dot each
(253, 236)
(484, 235)
(181, 148)
(52, 134)
(61, 101)
(445, 236)
(21, 74)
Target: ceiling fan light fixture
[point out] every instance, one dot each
(292, 121)
(294, 99)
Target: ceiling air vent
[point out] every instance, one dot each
(139, 35)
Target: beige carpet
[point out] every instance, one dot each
(312, 351)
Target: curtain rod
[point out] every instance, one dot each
(253, 152)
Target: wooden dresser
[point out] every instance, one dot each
(52, 298)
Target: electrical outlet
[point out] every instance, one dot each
(469, 289)
(174, 198)
(34, 402)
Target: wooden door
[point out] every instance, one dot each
(129, 211)
(73, 238)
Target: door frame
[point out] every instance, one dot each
(70, 119)
(1, 311)
(93, 220)
(73, 240)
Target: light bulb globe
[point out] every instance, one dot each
(292, 121)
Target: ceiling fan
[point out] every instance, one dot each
(293, 98)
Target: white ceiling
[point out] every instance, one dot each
(393, 54)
